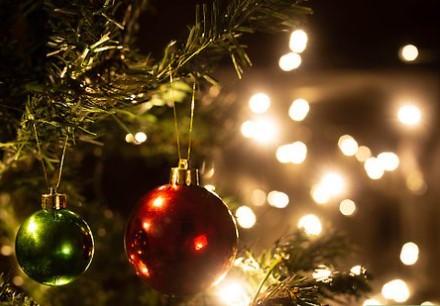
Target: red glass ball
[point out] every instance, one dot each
(181, 239)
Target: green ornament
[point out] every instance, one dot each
(54, 245)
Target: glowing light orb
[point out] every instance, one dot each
(409, 115)
(140, 137)
(348, 145)
(320, 195)
(259, 103)
(347, 207)
(356, 270)
(246, 217)
(258, 197)
(363, 153)
(299, 109)
(294, 153)
(371, 302)
(278, 199)
(321, 273)
(298, 41)
(409, 253)
(389, 160)
(247, 129)
(310, 224)
(396, 290)
(374, 168)
(409, 53)
(290, 61)
(232, 293)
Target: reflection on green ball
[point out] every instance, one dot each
(54, 246)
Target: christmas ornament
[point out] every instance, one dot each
(181, 238)
(54, 245)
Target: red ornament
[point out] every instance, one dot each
(181, 238)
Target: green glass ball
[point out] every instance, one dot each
(54, 246)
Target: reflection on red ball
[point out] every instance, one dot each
(181, 239)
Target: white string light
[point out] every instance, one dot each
(409, 253)
(396, 290)
(298, 41)
(246, 217)
(310, 224)
(259, 103)
(290, 61)
(408, 53)
(409, 115)
(299, 109)
(278, 199)
(348, 145)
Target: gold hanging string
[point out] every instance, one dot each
(60, 170)
(40, 156)
(191, 120)
(176, 124)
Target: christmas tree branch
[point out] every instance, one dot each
(12, 296)
(85, 67)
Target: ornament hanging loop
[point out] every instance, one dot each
(53, 200)
(176, 122)
(182, 175)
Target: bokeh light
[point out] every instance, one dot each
(363, 153)
(298, 41)
(259, 103)
(262, 130)
(258, 197)
(396, 290)
(334, 183)
(232, 293)
(347, 207)
(374, 168)
(428, 303)
(277, 199)
(389, 160)
(408, 53)
(299, 109)
(320, 195)
(294, 153)
(246, 217)
(409, 253)
(409, 115)
(140, 137)
(348, 145)
(321, 273)
(371, 302)
(310, 224)
(416, 183)
(356, 270)
(247, 129)
(290, 61)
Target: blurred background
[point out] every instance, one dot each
(335, 126)
(338, 122)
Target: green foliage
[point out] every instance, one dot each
(12, 296)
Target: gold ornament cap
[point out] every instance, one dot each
(181, 175)
(53, 200)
